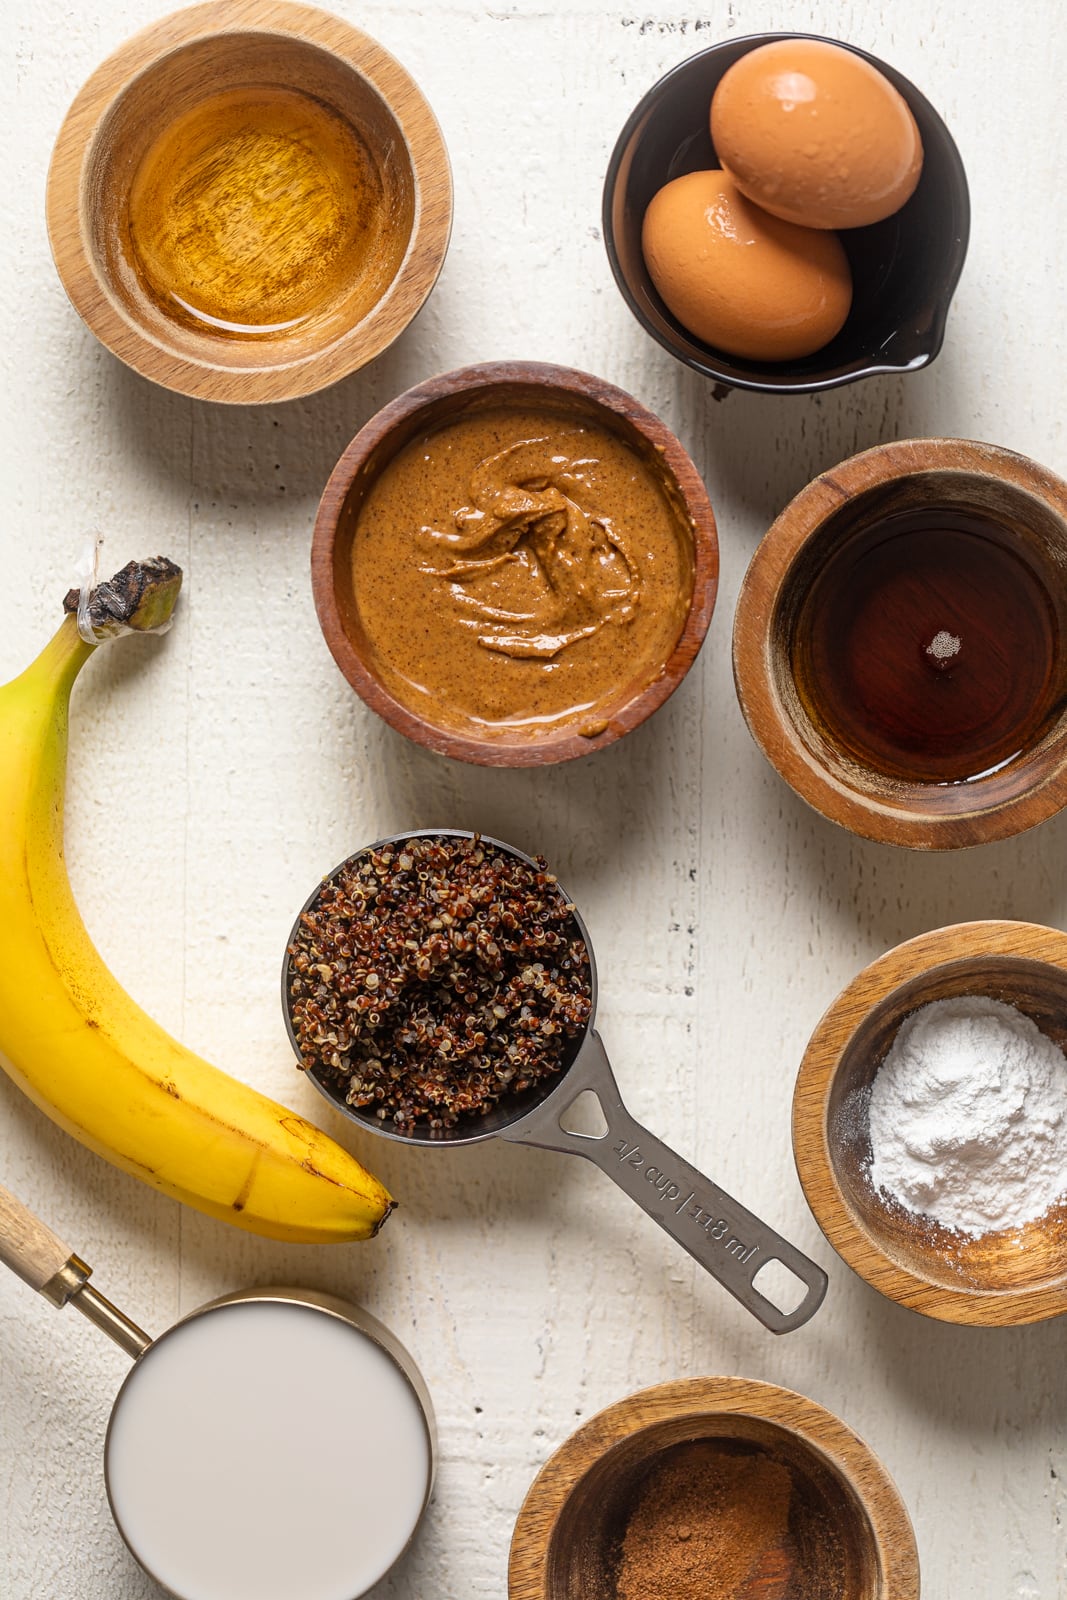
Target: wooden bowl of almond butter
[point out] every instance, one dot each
(930, 1123)
(714, 1486)
(515, 564)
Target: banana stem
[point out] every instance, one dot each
(61, 659)
(139, 599)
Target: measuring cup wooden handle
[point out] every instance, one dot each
(41, 1259)
(32, 1251)
(727, 1240)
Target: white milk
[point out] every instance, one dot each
(267, 1451)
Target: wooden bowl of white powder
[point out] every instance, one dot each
(930, 1123)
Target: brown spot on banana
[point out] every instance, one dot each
(246, 1188)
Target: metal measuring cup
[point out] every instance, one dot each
(727, 1240)
(159, 1507)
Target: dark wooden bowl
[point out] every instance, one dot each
(567, 1537)
(464, 393)
(166, 70)
(1029, 505)
(999, 1279)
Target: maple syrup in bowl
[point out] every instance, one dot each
(900, 645)
(928, 647)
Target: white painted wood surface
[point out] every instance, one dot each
(217, 773)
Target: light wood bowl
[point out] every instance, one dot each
(1030, 504)
(465, 392)
(1000, 1279)
(567, 1537)
(168, 69)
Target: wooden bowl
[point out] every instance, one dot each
(844, 1507)
(388, 255)
(1028, 506)
(463, 394)
(999, 1279)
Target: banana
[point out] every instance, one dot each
(83, 1050)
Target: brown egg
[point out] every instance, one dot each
(815, 134)
(740, 279)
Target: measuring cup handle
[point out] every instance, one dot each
(39, 1258)
(35, 1254)
(725, 1238)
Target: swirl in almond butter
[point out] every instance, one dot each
(533, 525)
(520, 570)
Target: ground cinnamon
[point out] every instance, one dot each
(710, 1523)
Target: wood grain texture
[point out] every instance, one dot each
(218, 772)
(1030, 503)
(566, 1540)
(27, 1246)
(179, 63)
(527, 385)
(996, 1280)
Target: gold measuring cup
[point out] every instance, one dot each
(728, 1241)
(273, 1443)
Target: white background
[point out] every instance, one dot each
(217, 773)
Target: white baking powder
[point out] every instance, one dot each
(968, 1116)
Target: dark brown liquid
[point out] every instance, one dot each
(928, 648)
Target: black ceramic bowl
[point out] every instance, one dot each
(904, 269)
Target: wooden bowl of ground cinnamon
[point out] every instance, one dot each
(713, 1489)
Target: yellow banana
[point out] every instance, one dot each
(81, 1048)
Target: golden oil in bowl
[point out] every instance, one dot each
(256, 210)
